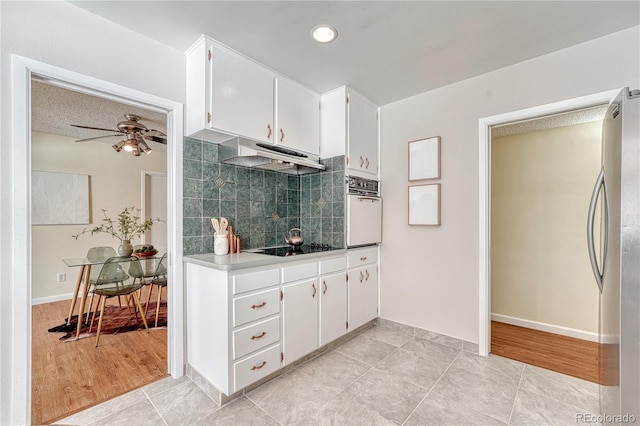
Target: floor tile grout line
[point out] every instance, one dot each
(115, 412)
(158, 412)
(262, 409)
(432, 387)
(515, 397)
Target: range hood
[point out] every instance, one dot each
(249, 153)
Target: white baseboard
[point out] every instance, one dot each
(49, 299)
(549, 328)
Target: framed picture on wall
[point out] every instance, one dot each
(424, 159)
(424, 204)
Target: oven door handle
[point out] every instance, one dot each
(372, 199)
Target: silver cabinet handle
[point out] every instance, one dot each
(600, 184)
(281, 135)
(361, 161)
(366, 162)
(268, 131)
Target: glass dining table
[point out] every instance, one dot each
(148, 264)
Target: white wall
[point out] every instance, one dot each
(541, 184)
(429, 275)
(63, 35)
(115, 183)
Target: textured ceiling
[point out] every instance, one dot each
(550, 122)
(387, 50)
(54, 109)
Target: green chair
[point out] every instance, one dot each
(97, 255)
(159, 279)
(114, 281)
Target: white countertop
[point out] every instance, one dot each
(231, 262)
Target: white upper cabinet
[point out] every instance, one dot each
(241, 96)
(298, 117)
(229, 94)
(349, 126)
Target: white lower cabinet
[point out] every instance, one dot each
(333, 307)
(244, 325)
(363, 286)
(299, 319)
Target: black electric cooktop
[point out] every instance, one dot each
(294, 251)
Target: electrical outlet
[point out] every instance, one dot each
(61, 277)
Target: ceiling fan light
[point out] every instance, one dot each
(118, 146)
(129, 146)
(143, 146)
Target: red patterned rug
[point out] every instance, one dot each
(116, 320)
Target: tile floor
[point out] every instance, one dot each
(383, 376)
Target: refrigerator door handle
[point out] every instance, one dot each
(600, 184)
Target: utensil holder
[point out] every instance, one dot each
(220, 244)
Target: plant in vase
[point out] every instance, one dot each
(125, 227)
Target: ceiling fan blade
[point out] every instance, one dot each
(95, 128)
(157, 132)
(158, 139)
(99, 137)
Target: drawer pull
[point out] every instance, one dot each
(363, 258)
(259, 336)
(258, 367)
(258, 306)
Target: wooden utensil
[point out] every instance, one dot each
(223, 224)
(216, 224)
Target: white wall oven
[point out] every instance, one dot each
(364, 212)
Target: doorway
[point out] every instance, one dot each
(484, 200)
(19, 259)
(60, 151)
(544, 311)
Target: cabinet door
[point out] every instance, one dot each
(363, 295)
(298, 117)
(300, 319)
(362, 138)
(241, 96)
(333, 307)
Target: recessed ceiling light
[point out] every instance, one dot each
(324, 34)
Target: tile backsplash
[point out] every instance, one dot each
(261, 205)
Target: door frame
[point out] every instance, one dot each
(17, 260)
(484, 196)
(143, 195)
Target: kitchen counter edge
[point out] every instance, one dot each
(236, 261)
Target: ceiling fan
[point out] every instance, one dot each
(136, 133)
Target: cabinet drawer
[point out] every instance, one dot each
(255, 337)
(359, 257)
(255, 306)
(255, 280)
(299, 272)
(256, 367)
(333, 265)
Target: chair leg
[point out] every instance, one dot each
(144, 320)
(119, 302)
(93, 317)
(146, 308)
(104, 302)
(158, 304)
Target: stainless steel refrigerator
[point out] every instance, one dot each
(613, 234)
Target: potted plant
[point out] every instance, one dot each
(125, 227)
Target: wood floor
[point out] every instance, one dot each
(567, 355)
(69, 377)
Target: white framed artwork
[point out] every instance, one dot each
(59, 198)
(424, 159)
(424, 204)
